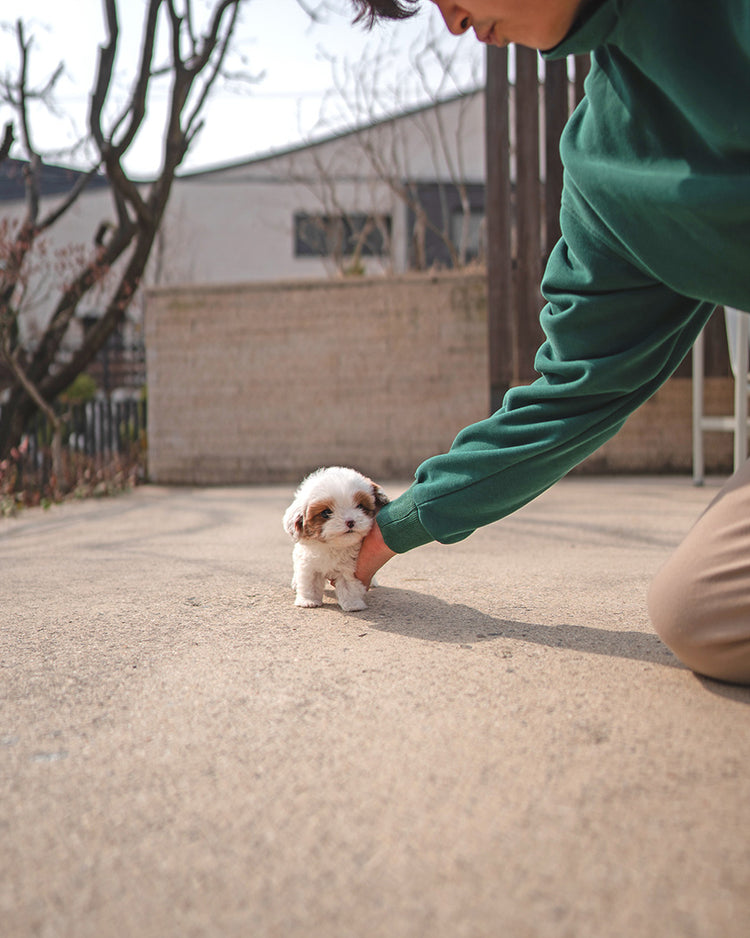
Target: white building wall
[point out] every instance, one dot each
(237, 227)
(236, 224)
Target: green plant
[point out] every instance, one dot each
(82, 389)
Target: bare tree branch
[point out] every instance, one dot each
(7, 142)
(23, 49)
(10, 355)
(313, 12)
(122, 247)
(105, 67)
(136, 108)
(55, 214)
(366, 91)
(191, 128)
(111, 154)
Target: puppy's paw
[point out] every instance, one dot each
(307, 603)
(352, 605)
(350, 594)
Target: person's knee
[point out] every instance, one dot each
(671, 615)
(707, 634)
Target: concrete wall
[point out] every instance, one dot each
(264, 382)
(658, 437)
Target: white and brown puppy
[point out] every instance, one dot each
(333, 509)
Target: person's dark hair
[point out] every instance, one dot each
(370, 11)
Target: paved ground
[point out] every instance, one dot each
(498, 746)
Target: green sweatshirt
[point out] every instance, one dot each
(655, 222)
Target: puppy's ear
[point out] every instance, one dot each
(379, 495)
(294, 520)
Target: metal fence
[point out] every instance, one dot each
(99, 440)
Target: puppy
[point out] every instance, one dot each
(333, 509)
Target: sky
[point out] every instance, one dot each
(300, 79)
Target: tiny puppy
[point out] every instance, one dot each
(333, 509)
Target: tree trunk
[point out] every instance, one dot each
(39, 376)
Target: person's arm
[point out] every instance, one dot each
(614, 336)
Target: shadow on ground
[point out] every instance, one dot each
(417, 615)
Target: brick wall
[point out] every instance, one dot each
(264, 382)
(658, 437)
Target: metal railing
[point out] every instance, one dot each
(101, 440)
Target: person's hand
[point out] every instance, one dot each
(373, 553)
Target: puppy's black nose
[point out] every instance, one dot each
(350, 524)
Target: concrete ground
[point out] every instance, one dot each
(498, 746)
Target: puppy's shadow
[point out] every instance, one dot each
(419, 615)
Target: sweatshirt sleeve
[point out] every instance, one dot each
(613, 337)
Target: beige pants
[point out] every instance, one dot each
(700, 600)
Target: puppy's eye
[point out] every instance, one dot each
(326, 514)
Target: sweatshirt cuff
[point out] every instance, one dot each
(400, 525)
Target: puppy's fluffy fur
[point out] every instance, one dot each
(333, 509)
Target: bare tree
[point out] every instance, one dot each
(364, 93)
(341, 234)
(116, 260)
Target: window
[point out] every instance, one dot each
(341, 235)
(437, 236)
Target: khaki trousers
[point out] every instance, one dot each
(699, 602)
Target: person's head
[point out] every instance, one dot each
(540, 24)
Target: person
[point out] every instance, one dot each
(655, 222)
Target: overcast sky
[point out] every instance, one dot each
(295, 98)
